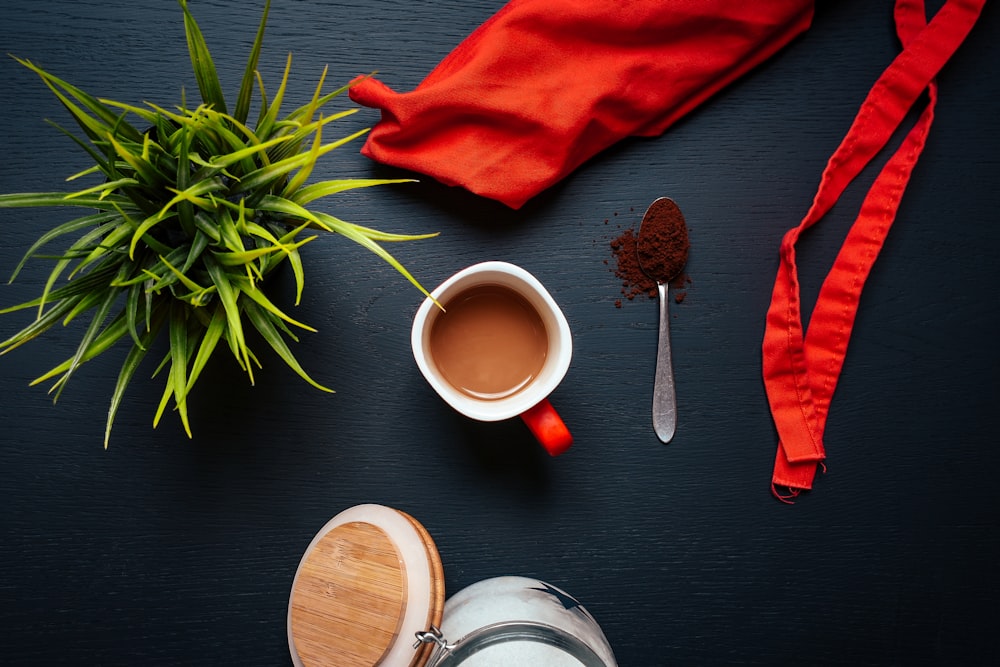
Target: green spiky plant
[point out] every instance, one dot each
(190, 216)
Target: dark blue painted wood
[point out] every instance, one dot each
(168, 551)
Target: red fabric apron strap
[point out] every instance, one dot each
(801, 369)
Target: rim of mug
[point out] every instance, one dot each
(559, 354)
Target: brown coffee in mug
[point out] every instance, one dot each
(489, 343)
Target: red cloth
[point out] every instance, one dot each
(543, 85)
(801, 368)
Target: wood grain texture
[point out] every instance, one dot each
(435, 609)
(165, 551)
(349, 597)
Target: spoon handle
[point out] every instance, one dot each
(664, 395)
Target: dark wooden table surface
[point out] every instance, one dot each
(167, 551)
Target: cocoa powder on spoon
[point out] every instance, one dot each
(662, 245)
(671, 249)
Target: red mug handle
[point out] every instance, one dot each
(548, 427)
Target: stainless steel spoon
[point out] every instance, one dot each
(662, 249)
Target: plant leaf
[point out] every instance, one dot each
(191, 194)
(99, 277)
(228, 295)
(246, 86)
(265, 125)
(125, 374)
(143, 167)
(228, 159)
(201, 63)
(38, 326)
(187, 282)
(305, 110)
(270, 334)
(179, 360)
(103, 307)
(39, 199)
(112, 242)
(267, 305)
(111, 334)
(147, 116)
(301, 131)
(290, 209)
(93, 128)
(213, 332)
(325, 188)
(351, 232)
(295, 259)
(258, 179)
(247, 256)
(103, 188)
(185, 210)
(103, 165)
(300, 178)
(95, 220)
(133, 299)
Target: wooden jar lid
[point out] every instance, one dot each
(368, 582)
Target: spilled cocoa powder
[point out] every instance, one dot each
(634, 282)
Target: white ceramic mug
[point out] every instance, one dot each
(530, 402)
